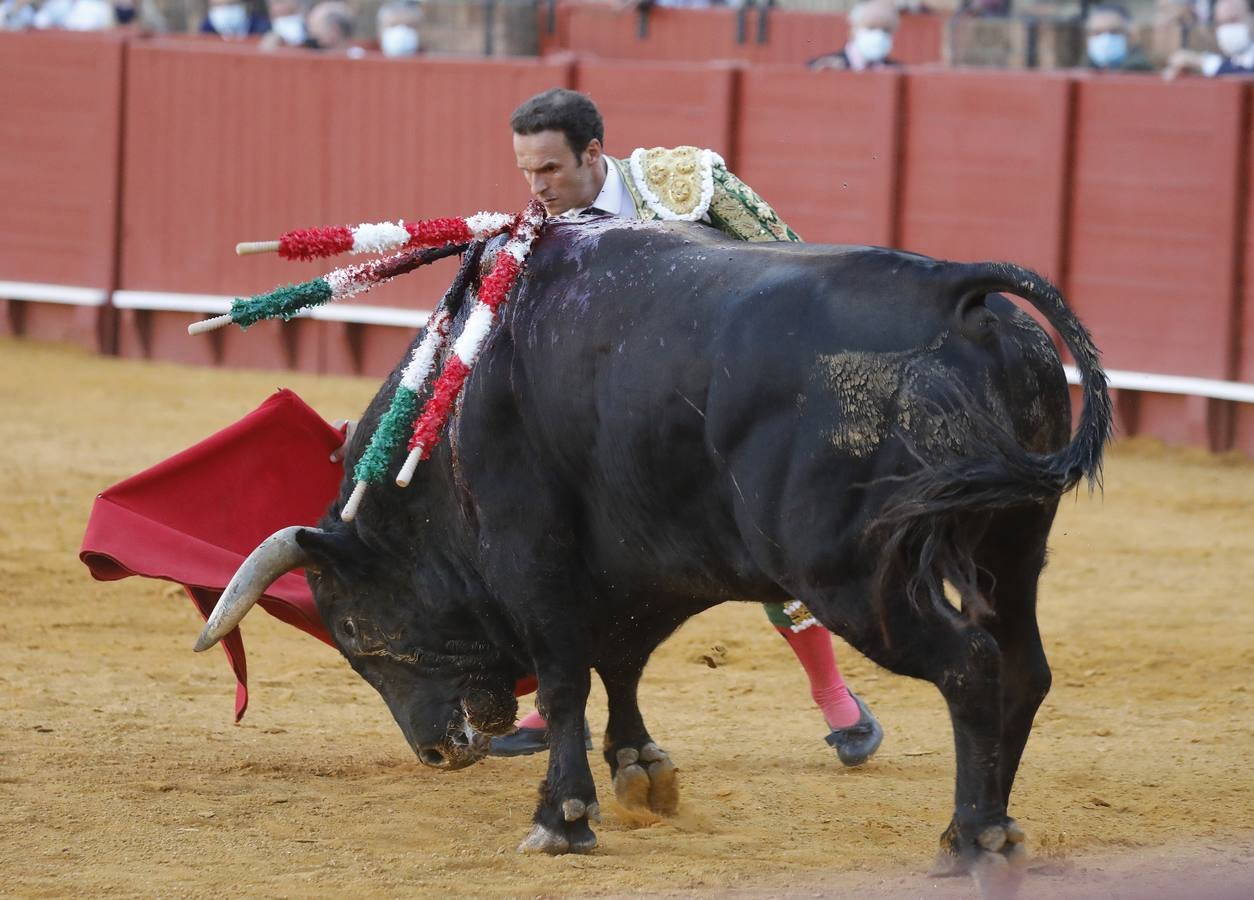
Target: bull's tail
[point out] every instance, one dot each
(930, 526)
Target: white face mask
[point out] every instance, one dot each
(231, 19)
(290, 28)
(1233, 38)
(873, 44)
(399, 40)
(1107, 50)
(89, 15)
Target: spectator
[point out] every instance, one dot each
(17, 15)
(234, 19)
(330, 27)
(1175, 24)
(1236, 46)
(144, 14)
(398, 23)
(994, 8)
(872, 24)
(76, 15)
(1108, 28)
(679, 4)
(287, 23)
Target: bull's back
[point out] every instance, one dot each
(657, 362)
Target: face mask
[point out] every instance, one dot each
(89, 15)
(290, 28)
(230, 19)
(1233, 38)
(399, 40)
(872, 43)
(1107, 50)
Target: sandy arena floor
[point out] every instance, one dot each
(121, 773)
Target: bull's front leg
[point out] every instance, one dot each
(645, 778)
(568, 799)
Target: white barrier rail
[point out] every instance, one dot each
(53, 293)
(1151, 383)
(215, 304)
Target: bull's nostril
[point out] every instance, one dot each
(431, 757)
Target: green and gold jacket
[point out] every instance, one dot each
(687, 184)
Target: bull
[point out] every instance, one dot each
(666, 420)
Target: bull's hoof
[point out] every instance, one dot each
(647, 779)
(570, 839)
(995, 859)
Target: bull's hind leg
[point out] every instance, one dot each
(963, 660)
(1011, 560)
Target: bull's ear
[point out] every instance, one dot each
(338, 551)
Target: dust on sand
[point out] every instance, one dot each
(121, 773)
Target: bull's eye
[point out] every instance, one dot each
(348, 628)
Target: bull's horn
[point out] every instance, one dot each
(275, 556)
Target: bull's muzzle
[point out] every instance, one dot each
(459, 750)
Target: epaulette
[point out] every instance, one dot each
(676, 184)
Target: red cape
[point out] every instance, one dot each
(193, 518)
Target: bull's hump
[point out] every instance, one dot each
(583, 236)
(577, 237)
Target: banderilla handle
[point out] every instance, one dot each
(253, 248)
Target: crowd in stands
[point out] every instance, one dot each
(1210, 38)
(327, 25)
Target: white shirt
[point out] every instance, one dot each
(614, 198)
(1212, 61)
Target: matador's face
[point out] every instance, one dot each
(555, 175)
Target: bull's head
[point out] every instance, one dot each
(446, 686)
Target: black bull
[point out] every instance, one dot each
(666, 420)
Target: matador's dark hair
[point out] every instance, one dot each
(558, 109)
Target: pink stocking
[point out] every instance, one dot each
(813, 647)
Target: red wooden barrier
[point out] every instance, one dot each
(655, 104)
(1133, 193)
(834, 179)
(684, 35)
(1152, 249)
(984, 162)
(59, 140)
(1243, 415)
(225, 145)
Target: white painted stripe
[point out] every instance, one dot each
(1149, 382)
(53, 293)
(217, 304)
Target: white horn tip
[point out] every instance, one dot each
(205, 641)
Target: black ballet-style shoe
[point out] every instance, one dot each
(525, 741)
(857, 743)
